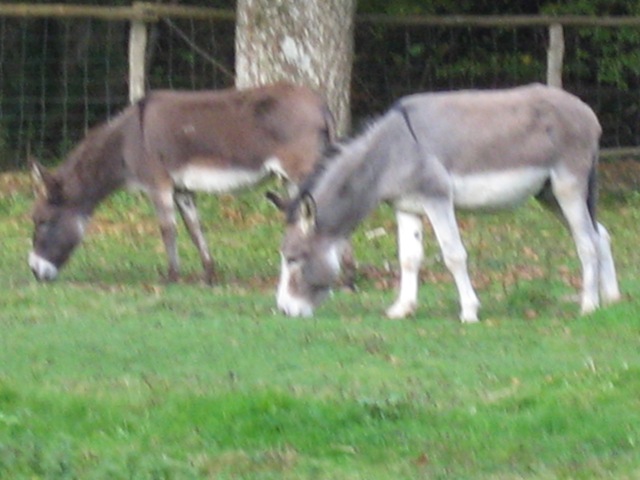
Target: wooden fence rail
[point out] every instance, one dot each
(497, 21)
(142, 11)
(140, 14)
(153, 11)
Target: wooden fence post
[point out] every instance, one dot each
(137, 53)
(555, 54)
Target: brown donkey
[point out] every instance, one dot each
(170, 145)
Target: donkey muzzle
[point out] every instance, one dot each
(43, 269)
(294, 307)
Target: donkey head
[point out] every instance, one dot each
(310, 260)
(59, 225)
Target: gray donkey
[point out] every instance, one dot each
(431, 153)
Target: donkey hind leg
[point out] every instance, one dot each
(410, 252)
(570, 196)
(609, 290)
(163, 203)
(442, 217)
(185, 201)
(608, 283)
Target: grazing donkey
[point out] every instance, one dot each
(431, 153)
(170, 145)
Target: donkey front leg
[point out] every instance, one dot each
(185, 202)
(163, 203)
(410, 252)
(442, 217)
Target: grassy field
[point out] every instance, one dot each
(108, 373)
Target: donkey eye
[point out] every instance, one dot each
(295, 260)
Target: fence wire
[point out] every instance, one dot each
(59, 77)
(405, 60)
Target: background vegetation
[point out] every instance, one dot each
(58, 77)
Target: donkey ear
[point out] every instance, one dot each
(307, 214)
(38, 175)
(45, 184)
(280, 203)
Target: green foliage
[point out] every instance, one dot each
(601, 65)
(610, 54)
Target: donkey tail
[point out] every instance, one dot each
(592, 189)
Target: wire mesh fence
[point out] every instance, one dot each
(415, 58)
(602, 66)
(60, 76)
(397, 60)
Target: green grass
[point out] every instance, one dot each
(110, 374)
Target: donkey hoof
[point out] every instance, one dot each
(469, 311)
(401, 310)
(588, 307)
(611, 298)
(210, 273)
(210, 279)
(468, 318)
(172, 277)
(469, 315)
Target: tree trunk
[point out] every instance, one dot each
(307, 42)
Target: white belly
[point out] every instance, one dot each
(495, 190)
(213, 180)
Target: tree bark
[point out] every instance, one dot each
(307, 42)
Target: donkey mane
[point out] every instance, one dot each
(334, 151)
(76, 176)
